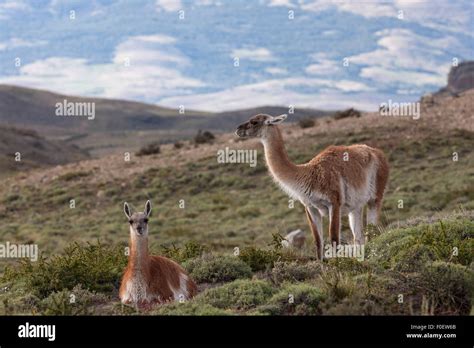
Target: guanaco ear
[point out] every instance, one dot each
(277, 119)
(126, 210)
(147, 208)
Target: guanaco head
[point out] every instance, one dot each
(258, 125)
(139, 220)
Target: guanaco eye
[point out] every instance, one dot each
(145, 220)
(253, 123)
(130, 221)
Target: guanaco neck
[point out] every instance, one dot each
(276, 156)
(139, 259)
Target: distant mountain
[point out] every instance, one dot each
(460, 78)
(34, 151)
(32, 108)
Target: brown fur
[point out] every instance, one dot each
(159, 273)
(323, 173)
(314, 230)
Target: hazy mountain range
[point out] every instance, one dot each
(29, 124)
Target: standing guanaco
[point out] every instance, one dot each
(340, 180)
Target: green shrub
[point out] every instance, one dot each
(336, 285)
(408, 249)
(347, 113)
(190, 308)
(306, 122)
(295, 299)
(449, 286)
(356, 304)
(188, 251)
(295, 271)
(95, 266)
(348, 265)
(241, 294)
(205, 137)
(14, 300)
(150, 149)
(178, 145)
(259, 259)
(213, 269)
(77, 301)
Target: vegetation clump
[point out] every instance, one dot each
(259, 259)
(150, 149)
(188, 251)
(347, 113)
(295, 271)
(95, 266)
(306, 122)
(241, 294)
(205, 137)
(295, 299)
(214, 269)
(409, 249)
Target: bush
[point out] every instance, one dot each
(71, 302)
(450, 287)
(295, 271)
(213, 269)
(96, 267)
(190, 250)
(347, 113)
(149, 149)
(348, 265)
(205, 137)
(356, 304)
(408, 249)
(336, 285)
(306, 122)
(295, 299)
(240, 294)
(178, 145)
(189, 308)
(259, 259)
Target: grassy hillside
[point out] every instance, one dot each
(35, 150)
(228, 205)
(234, 205)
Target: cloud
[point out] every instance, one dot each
(169, 5)
(407, 58)
(366, 9)
(276, 71)
(255, 54)
(413, 78)
(9, 7)
(281, 3)
(18, 42)
(440, 14)
(280, 92)
(323, 65)
(152, 74)
(161, 39)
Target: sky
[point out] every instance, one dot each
(219, 55)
